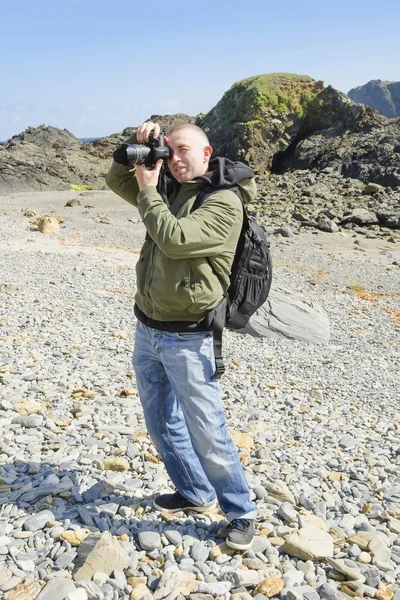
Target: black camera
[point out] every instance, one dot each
(143, 154)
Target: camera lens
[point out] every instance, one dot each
(137, 153)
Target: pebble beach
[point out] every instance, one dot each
(317, 427)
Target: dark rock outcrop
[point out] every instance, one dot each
(351, 138)
(384, 96)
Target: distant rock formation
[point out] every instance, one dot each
(276, 122)
(47, 158)
(384, 96)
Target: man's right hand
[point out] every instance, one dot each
(144, 130)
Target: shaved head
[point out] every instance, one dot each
(193, 128)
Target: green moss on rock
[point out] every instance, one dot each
(249, 97)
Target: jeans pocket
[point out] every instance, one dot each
(195, 335)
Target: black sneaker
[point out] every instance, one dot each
(240, 534)
(173, 503)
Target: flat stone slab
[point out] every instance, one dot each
(288, 314)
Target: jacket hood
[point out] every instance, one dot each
(224, 173)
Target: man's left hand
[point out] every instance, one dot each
(146, 177)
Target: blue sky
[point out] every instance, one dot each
(97, 67)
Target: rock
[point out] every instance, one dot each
(381, 95)
(309, 544)
(79, 595)
(340, 565)
(372, 575)
(287, 512)
(116, 463)
(394, 526)
(48, 225)
(347, 442)
(285, 232)
(98, 491)
(38, 521)
(280, 491)
(327, 225)
(199, 552)
(329, 591)
(362, 539)
(5, 575)
(28, 421)
(26, 590)
(288, 314)
(91, 588)
(73, 202)
(149, 540)
(168, 583)
(246, 125)
(270, 586)
(390, 219)
(27, 407)
(104, 555)
(139, 592)
(360, 216)
(243, 596)
(219, 588)
(75, 538)
(242, 440)
(9, 288)
(241, 577)
(56, 589)
(384, 594)
(364, 558)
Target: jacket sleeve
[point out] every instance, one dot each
(204, 233)
(122, 180)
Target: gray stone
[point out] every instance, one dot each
(149, 540)
(329, 591)
(28, 420)
(289, 314)
(327, 225)
(173, 536)
(199, 552)
(56, 589)
(100, 490)
(351, 573)
(38, 521)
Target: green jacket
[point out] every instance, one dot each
(183, 270)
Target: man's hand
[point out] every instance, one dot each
(144, 130)
(146, 177)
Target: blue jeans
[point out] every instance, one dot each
(185, 418)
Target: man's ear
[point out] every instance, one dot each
(207, 153)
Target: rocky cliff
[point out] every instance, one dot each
(260, 116)
(384, 96)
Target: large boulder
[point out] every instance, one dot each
(384, 96)
(288, 314)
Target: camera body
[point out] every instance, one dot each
(144, 154)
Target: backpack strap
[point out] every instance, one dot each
(216, 317)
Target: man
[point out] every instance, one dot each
(182, 272)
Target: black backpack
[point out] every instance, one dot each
(250, 279)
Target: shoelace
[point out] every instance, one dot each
(240, 524)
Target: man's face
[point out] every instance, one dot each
(190, 154)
